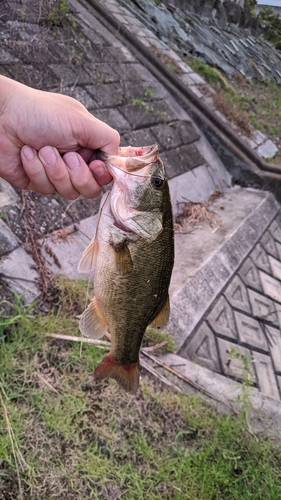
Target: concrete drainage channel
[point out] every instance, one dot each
(246, 167)
(225, 291)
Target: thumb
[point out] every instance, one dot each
(95, 134)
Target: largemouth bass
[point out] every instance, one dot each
(132, 258)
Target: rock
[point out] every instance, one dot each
(20, 275)
(8, 241)
(217, 32)
(233, 12)
(268, 149)
(219, 15)
(8, 195)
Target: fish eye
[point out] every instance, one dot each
(157, 182)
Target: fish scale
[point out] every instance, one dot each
(132, 257)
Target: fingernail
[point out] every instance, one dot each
(28, 152)
(72, 161)
(99, 171)
(48, 155)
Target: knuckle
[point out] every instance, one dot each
(40, 190)
(116, 136)
(72, 196)
(47, 191)
(93, 194)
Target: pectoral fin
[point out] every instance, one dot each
(123, 260)
(92, 324)
(88, 259)
(162, 317)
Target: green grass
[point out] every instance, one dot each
(210, 74)
(82, 439)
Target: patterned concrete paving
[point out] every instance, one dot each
(244, 322)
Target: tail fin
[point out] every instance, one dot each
(127, 376)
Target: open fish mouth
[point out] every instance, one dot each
(130, 159)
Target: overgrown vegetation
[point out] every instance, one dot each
(59, 13)
(270, 20)
(227, 100)
(62, 436)
(248, 105)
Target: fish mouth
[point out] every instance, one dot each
(122, 227)
(130, 159)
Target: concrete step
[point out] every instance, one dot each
(226, 290)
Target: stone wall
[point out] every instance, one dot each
(222, 11)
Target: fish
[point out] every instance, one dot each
(132, 257)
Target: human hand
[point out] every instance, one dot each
(48, 142)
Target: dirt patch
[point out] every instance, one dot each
(233, 113)
(193, 214)
(167, 60)
(262, 101)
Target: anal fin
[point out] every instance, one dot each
(127, 376)
(92, 323)
(163, 316)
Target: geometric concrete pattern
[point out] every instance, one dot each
(245, 321)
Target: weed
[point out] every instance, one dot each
(272, 22)
(153, 336)
(272, 159)
(252, 4)
(162, 114)
(71, 296)
(59, 13)
(54, 20)
(234, 112)
(82, 439)
(63, 7)
(76, 59)
(275, 130)
(148, 92)
(143, 104)
(20, 314)
(99, 79)
(211, 75)
(172, 67)
(72, 22)
(22, 14)
(139, 102)
(245, 398)
(246, 104)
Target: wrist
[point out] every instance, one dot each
(7, 88)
